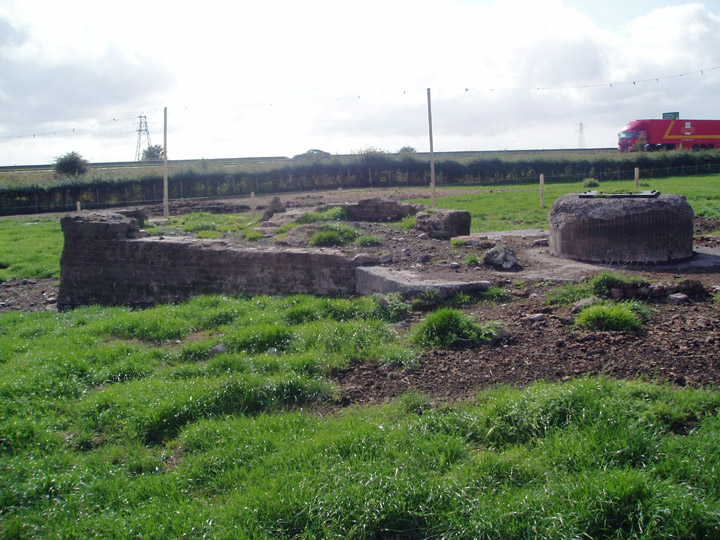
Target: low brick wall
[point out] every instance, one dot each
(108, 259)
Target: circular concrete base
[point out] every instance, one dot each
(634, 230)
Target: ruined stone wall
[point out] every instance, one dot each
(108, 259)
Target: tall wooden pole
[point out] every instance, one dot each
(542, 191)
(166, 204)
(432, 152)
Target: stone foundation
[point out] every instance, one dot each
(108, 259)
(443, 224)
(380, 209)
(636, 230)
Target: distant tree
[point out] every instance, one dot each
(71, 164)
(313, 153)
(407, 150)
(368, 150)
(153, 153)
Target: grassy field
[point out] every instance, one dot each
(217, 418)
(30, 247)
(518, 207)
(125, 424)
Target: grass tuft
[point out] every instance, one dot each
(615, 317)
(368, 240)
(447, 327)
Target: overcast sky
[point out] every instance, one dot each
(278, 77)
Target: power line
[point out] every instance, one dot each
(30, 134)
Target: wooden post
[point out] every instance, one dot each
(637, 178)
(542, 191)
(432, 152)
(252, 202)
(166, 203)
(79, 206)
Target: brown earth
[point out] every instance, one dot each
(681, 343)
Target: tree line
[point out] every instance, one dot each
(367, 170)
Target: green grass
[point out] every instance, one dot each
(368, 240)
(133, 423)
(334, 234)
(447, 327)
(518, 207)
(600, 285)
(609, 317)
(211, 448)
(207, 225)
(30, 248)
(205, 419)
(324, 214)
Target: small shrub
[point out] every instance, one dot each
(496, 294)
(604, 282)
(346, 232)
(569, 293)
(326, 238)
(590, 183)
(426, 300)
(460, 299)
(335, 213)
(391, 308)
(448, 327)
(473, 260)
(406, 223)
(368, 240)
(613, 318)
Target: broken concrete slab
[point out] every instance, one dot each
(376, 279)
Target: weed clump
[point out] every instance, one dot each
(447, 327)
(615, 317)
(406, 223)
(497, 294)
(473, 260)
(368, 240)
(326, 238)
(334, 234)
(253, 236)
(390, 308)
(603, 284)
(334, 213)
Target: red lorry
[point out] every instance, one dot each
(670, 134)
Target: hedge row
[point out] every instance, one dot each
(369, 170)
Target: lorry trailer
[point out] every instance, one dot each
(670, 134)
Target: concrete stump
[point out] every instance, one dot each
(443, 224)
(635, 229)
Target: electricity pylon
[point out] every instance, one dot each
(142, 128)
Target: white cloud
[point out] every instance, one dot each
(279, 77)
